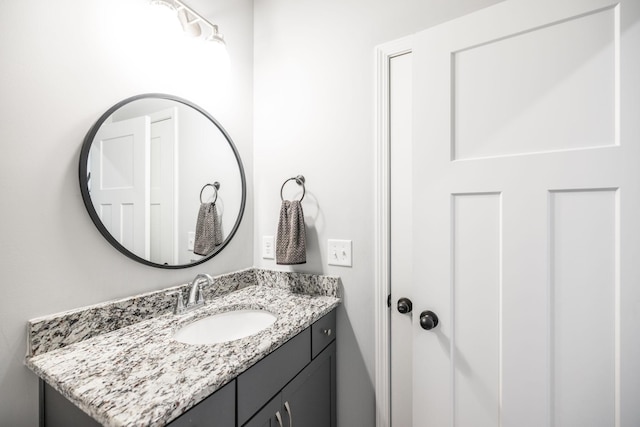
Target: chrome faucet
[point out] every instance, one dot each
(195, 294)
(195, 298)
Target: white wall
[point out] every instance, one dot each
(62, 64)
(314, 115)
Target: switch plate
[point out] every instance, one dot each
(191, 240)
(268, 249)
(339, 252)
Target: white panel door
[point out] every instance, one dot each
(526, 212)
(120, 182)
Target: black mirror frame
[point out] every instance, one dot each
(86, 197)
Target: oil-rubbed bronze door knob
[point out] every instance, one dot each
(404, 305)
(428, 320)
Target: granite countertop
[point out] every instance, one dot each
(139, 376)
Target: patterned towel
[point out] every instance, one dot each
(208, 230)
(291, 238)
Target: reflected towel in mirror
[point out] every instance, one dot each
(208, 230)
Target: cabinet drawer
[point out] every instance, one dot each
(267, 377)
(323, 333)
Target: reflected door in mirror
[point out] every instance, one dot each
(119, 183)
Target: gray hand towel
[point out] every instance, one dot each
(208, 230)
(291, 238)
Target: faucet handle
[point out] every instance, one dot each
(200, 299)
(179, 307)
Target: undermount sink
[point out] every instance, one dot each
(223, 327)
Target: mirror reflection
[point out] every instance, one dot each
(162, 181)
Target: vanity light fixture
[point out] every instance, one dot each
(192, 21)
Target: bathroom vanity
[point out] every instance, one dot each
(250, 348)
(139, 375)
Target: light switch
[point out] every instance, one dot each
(268, 249)
(191, 240)
(339, 252)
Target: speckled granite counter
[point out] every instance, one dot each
(138, 376)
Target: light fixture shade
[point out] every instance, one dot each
(189, 24)
(166, 3)
(163, 18)
(192, 24)
(216, 38)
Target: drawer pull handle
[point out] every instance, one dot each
(327, 332)
(279, 418)
(286, 406)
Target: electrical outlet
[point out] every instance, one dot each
(191, 240)
(339, 252)
(268, 249)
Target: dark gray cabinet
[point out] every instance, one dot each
(323, 333)
(311, 395)
(258, 384)
(217, 410)
(309, 400)
(292, 386)
(56, 410)
(269, 416)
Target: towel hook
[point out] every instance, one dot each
(299, 180)
(216, 187)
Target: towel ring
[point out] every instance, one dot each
(216, 187)
(299, 180)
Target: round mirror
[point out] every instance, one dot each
(162, 181)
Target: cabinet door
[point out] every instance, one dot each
(217, 410)
(310, 400)
(267, 416)
(57, 411)
(266, 378)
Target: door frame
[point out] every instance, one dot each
(172, 113)
(382, 230)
